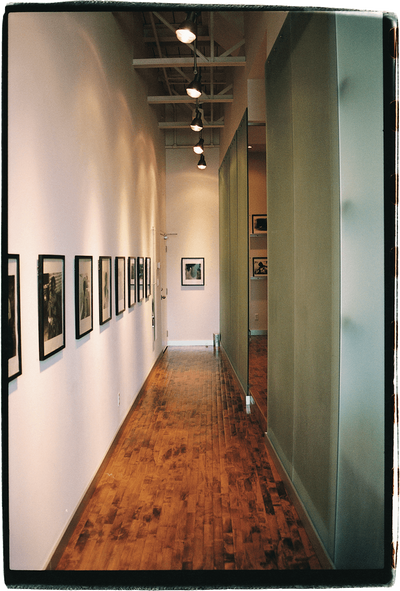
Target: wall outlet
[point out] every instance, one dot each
(119, 399)
(255, 316)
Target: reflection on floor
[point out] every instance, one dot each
(258, 376)
(190, 484)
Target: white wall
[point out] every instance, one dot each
(86, 176)
(193, 213)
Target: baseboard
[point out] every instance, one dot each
(65, 537)
(315, 540)
(255, 333)
(205, 343)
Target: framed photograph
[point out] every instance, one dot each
(105, 289)
(83, 295)
(192, 271)
(260, 267)
(131, 281)
(51, 282)
(140, 278)
(148, 277)
(119, 284)
(13, 319)
(259, 224)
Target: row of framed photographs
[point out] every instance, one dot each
(51, 299)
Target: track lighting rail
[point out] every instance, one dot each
(162, 100)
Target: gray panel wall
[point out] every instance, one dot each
(326, 285)
(361, 426)
(234, 253)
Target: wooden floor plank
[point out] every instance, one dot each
(190, 484)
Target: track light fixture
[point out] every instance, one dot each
(202, 163)
(186, 32)
(197, 123)
(199, 147)
(194, 89)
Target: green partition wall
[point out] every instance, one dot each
(325, 265)
(234, 299)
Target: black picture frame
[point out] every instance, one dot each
(131, 281)
(83, 295)
(260, 266)
(192, 272)
(51, 297)
(119, 285)
(14, 318)
(105, 293)
(259, 225)
(140, 278)
(148, 277)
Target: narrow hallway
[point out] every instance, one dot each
(190, 484)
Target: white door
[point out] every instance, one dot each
(163, 291)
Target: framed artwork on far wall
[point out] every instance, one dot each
(14, 319)
(119, 284)
(192, 271)
(148, 277)
(131, 281)
(105, 289)
(51, 284)
(83, 295)
(260, 266)
(140, 276)
(259, 224)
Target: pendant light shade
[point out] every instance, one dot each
(186, 32)
(199, 147)
(197, 123)
(194, 89)
(202, 163)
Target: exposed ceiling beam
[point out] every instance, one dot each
(171, 62)
(229, 51)
(185, 125)
(158, 100)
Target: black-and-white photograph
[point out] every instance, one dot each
(192, 271)
(260, 266)
(131, 281)
(140, 274)
(83, 295)
(259, 224)
(51, 305)
(105, 289)
(148, 277)
(119, 284)
(14, 319)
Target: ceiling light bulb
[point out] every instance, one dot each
(197, 123)
(194, 89)
(202, 163)
(198, 148)
(186, 31)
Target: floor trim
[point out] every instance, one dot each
(315, 540)
(62, 544)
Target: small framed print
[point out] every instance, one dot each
(119, 284)
(105, 289)
(131, 281)
(140, 278)
(260, 267)
(148, 277)
(51, 282)
(259, 224)
(192, 271)
(14, 319)
(83, 295)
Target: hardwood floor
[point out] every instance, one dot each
(258, 375)
(190, 484)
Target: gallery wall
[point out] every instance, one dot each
(86, 177)
(192, 225)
